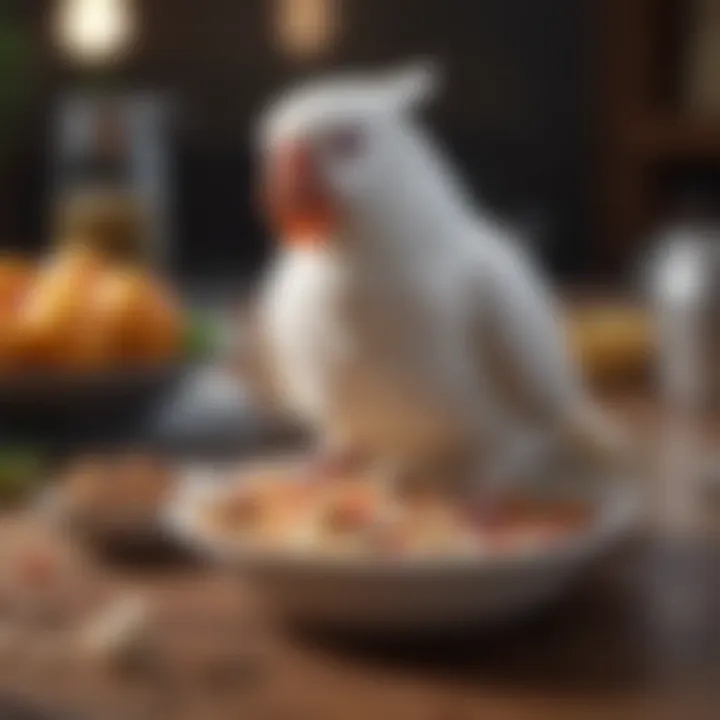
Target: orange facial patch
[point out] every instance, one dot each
(295, 199)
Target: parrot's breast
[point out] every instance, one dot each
(378, 363)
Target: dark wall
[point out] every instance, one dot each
(514, 113)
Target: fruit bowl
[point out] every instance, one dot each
(71, 392)
(49, 397)
(76, 324)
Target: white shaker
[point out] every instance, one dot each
(684, 280)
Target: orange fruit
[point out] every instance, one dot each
(139, 316)
(52, 319)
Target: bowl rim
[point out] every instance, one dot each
(32, 377)
(617, 503)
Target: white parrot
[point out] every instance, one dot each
(398, 320)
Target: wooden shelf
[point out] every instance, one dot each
(642, 43)
(677, 138)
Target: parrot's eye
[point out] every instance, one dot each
(345, 143)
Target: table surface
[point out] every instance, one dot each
(638, 637)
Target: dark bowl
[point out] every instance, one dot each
(40, 404)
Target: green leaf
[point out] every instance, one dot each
(201, 336)
(21, 468)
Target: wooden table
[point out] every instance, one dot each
(639, 637)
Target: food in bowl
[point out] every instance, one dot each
(351, 553)
(289, 513)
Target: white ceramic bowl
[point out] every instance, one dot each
(411, 593)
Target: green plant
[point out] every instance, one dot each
(21, 469)
(201, 336)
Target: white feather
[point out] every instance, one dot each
(381, 336)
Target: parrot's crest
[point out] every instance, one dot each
(412, 86)
(346, 158)
(349, 97)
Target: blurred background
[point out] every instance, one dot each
(536, 109)
(587, 122)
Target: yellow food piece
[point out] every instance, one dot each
(611, 342)
(16, 274)
(140, 317)
(15, 277)
(53, 318)
(84, 312)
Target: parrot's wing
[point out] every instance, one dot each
(524, 346)
(522, 338)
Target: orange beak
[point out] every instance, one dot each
(296, 203)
